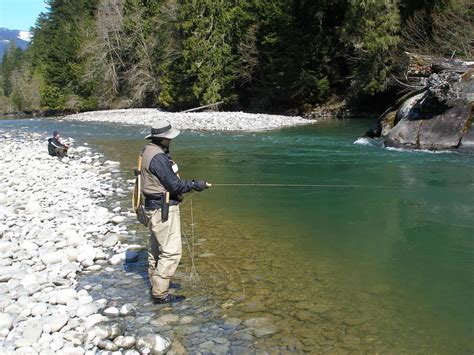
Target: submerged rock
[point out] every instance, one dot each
(107, 345)
(156, 343)
(261, 326)
(105, 330)
(128, 310)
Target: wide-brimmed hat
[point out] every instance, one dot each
(163, 129)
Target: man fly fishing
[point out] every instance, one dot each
(163, 190)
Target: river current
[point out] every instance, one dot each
(379, 260)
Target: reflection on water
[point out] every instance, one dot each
(335, 269)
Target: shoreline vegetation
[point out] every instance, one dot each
(308, 58)
(53, 227)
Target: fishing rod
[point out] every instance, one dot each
(307, 185)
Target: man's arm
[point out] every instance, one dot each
(161, 167)
(54, 142)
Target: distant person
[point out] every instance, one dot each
(163, 190)
(55, 147)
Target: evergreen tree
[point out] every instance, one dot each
(57, 39)
(207, 64)
(252, 54)
(11, 60)
(371, 32)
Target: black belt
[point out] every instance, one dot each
(153, 204)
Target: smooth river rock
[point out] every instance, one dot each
(261, 326)
(105, 330)
(65, 295)
(6, 321)
(156, 343)
(125, 342)
(58, 321)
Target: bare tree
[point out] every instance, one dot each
(103, 52)
(448, 32)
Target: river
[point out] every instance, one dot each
(379, 261)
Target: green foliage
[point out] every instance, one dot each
(11, 60)
(251, 54)
(207, 57)
(53, 98)
(297, 44)
(57, 39)
(371, 32)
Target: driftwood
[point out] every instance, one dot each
(425, 65)
(215, 104)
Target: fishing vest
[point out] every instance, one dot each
(151, 185)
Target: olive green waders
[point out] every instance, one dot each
(165, 250)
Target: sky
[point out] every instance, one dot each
(20, 14)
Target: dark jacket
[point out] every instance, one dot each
(158, 175)
(54, 143)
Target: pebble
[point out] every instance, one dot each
(86, 310)
(186, 320)
(65, 295)
(107, 345)
(128, 310)
(56, 322)
(261, 326)
(117, 259)
(6, 321)
(94, 319)
(165, 319)
(106, 330)
(111, 312)
(155, 343)
(110, 241)
(117, 219)
(125, 342)
(31, 333)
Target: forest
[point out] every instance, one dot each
(284, 56)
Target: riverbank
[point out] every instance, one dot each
(206, 121)
(53, 228)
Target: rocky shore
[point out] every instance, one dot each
(52, 229)
(208, 121)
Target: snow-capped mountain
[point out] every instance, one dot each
(7, 36)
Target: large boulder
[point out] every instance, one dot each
(438, 117)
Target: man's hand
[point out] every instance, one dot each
(201, 185)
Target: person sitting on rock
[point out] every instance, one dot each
(55, 147)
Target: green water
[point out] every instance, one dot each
(364, 269)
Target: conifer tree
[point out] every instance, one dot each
(371, 33)
(207, 60)
(56, 43)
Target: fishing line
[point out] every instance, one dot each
(310, 185)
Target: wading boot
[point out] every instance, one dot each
(169, 298)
